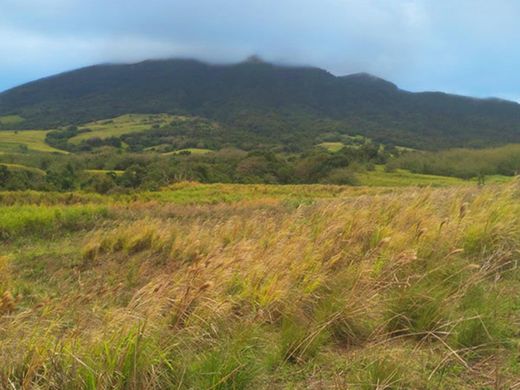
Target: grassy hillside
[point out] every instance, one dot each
(125, 124)
(17, 141)
(265, 287)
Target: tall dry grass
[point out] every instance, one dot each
(416, 289)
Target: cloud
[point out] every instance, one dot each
(467, 45)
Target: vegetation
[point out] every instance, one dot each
(389, 177)
(107, 170)
(189, 151)
(190, 226)
(279, 287)
(112, 170)
(125, 124)
(9, 120)
(332, 146)
(23, 141)
(463, 163)
(261, 103)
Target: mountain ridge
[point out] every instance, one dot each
(266, 99)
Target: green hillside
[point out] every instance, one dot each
(265, 103)
(125, 124)
(19, 141)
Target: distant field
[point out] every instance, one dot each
(332, 146)
(193, 193)
(125, 124)
(14, 141)
(10, 119)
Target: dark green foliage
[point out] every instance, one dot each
(15, 179)
(463, 163)
(259, 102)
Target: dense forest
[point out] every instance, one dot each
(265, 103)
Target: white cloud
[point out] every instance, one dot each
(469, 45)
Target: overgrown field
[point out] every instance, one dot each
(253, 287)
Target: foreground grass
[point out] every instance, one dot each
(282, 287)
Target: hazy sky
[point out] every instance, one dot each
(462, 46)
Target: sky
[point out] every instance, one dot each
(468, 47)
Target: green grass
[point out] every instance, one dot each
(41, 220)
(12, 141)
(402, 178)
(125, 124)
(332, 146)
(10, 120)
(20, 167)
(195, 193)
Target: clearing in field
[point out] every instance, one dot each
(12, 141)
(332, 146)
(125, 124)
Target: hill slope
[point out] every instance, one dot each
(275, 102)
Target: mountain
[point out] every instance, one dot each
(280, 103)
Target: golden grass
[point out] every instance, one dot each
(393, 289)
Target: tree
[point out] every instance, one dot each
(4, 175)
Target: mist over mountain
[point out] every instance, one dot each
(280, 103)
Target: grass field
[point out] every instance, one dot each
(241, 287)
(8, 120)
(402, 178)
(332, 146)
(125, 124)
(16, 141)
